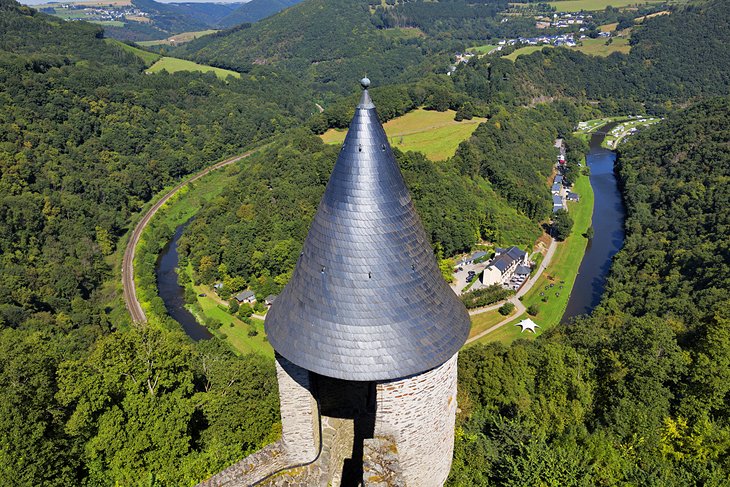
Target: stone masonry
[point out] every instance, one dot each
(300, 427)
(419, 412)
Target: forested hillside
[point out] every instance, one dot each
(329, 43)
(256, 229)
(673, 58)
(253, 11)
(636, 394)
(86, 139)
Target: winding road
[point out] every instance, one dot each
(130, 292)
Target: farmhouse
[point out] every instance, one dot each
(573, 196)
(246, 297)
(556, 189)
(269, 300)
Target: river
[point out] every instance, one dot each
(172, 294)
(608, 229)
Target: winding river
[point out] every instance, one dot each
(608, 229)
(172, 293)
(608, 238)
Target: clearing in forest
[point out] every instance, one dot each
(436, 134)
(172, 65)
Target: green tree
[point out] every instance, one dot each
(562, 224)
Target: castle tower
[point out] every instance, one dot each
(367, 332)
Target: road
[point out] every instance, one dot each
(519, 307)
(130, 292)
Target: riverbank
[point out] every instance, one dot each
(552, 290)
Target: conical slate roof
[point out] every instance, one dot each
(366, 300)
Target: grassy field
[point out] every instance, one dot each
(598, 47)
(484, 321)
(523, 50)
(577, 5)
(592, 125)
(178, 38)
(235, 331)
(557, 281)
(110, 23)
(149, 58)
(481, 50)
(436, 134)
(172, 65)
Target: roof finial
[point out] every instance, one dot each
(365, 101)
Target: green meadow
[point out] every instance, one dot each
(173, 65)
(578, 5)
(149, 58)
(436, 134)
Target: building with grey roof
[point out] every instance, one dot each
(367, 331)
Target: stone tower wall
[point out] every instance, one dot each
(299, 412)
(420, 412)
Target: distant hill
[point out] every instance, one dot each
(255, 10)
(330, 42)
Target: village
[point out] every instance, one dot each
(510, 267)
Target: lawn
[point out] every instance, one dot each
(172, 65)
(484, 321)
(482, 50)
(149, 58)
(523, 50)
(509, 332)
(557, 280)
(236, 331)
(598, 47)
(436, 134)
(577, 5)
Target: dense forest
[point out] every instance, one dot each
(637, 393)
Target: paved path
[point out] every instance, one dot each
(519, 307)
(130, 292)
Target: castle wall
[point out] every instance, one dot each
(299, 412)
(420, 412)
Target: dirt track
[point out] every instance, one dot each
(130, 293)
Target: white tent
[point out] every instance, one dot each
(528, 324)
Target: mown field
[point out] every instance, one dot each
(149, 58)
(481, 50)
(436, 134)
(577, 5)
(484, 321)
(173, 65)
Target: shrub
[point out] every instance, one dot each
(486, 296)
(533, 310)
(506, 309)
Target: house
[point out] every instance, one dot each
(469, 259)
(558, 179)
(573, 196)
(556, 189)
(246, 297)
(505, 265)
(269, 300)
(515, 253)
(557, 203)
